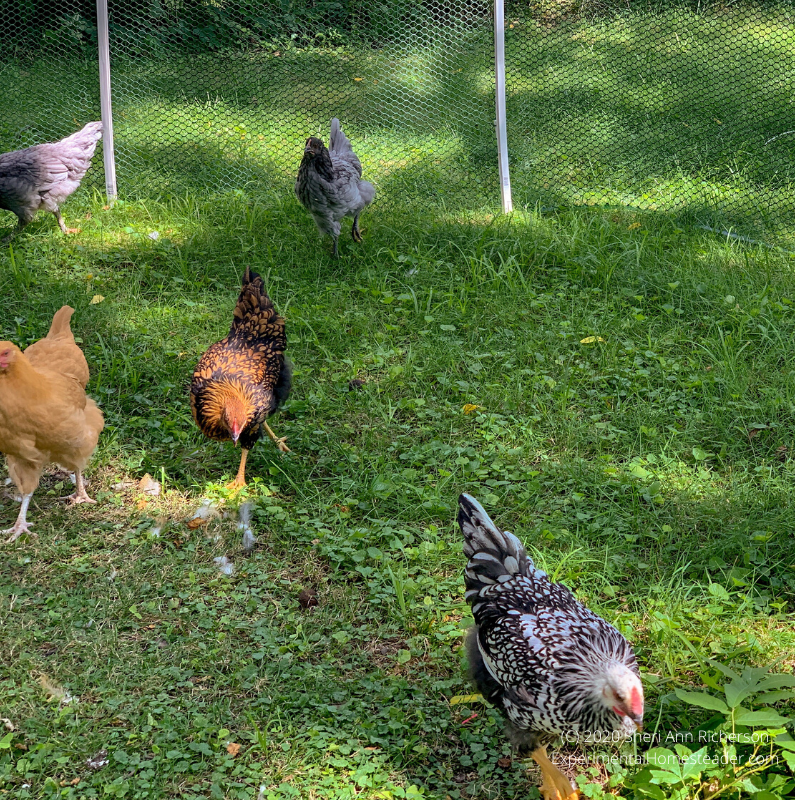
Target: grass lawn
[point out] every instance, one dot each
(633, 424)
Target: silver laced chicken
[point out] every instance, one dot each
(45, 175)
(329, 185)
(548, 663)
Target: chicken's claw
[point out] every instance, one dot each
(356, 233)
(17, 531)
(555, 784)
(76, 498)
(236, 485)
(72, 230)
(79, 495)
(282, 446)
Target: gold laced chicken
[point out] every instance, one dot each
(243, 378)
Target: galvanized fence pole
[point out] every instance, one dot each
(500, 103)
(105, 100)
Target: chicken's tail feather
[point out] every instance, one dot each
(367, 191)
(60, 327)
(87, 136)
(255, 315)
(494, 556)
(338, 142)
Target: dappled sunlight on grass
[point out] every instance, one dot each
(615, 386)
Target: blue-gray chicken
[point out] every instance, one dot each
(551, 666)
(329, 184)
(45, 175)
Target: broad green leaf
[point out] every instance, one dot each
(789, 759)
(768, 698)
(724, 669)
(694, 764)
(703, 700)
(5, 742)
(665, 777)
(645, 785)
(737, 690)
(775, 682)
(715, 590)
(661, 759)
(766, 718)
(785, 741)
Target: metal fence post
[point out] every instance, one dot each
(500, 103)
(105, 100)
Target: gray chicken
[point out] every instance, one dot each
(329, 184)
(45, 175)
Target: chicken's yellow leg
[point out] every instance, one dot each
(555, 784)
(239, 482)
(280, 442)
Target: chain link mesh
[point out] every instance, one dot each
(226, 98)
(681, 106)
(48, 74)
(685, 106)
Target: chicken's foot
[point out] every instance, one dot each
(555, 784)
(281, 443)
(21, 525)
(356, 231)
(79, 495)
(239, 482)
(336, 247)
(64, 228)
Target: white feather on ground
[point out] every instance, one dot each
(249, 539)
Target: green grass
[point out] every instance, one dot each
(674, 110)
(652, 472)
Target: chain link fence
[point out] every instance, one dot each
(679, 106)
(226, 94)
(48, 74)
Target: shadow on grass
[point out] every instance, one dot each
(657, 111)
(165, 635)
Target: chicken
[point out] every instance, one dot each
(45, 415)
(243, 378)
(329, 184)
(548, 663)
(45, 175)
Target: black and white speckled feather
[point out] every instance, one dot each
(549, 663)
